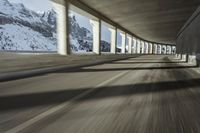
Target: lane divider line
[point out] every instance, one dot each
(62, 105)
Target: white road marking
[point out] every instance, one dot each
(61, 106)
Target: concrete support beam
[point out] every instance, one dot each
(159, 49)
(61, 8)
(150, 48)
(170, 50)
(178, 56)
(138, 46)
(96, 28)
(167, 50)
(123, 50)
(113, 40)
(192, 59)
(142, 47)
(184, 57)
(134, 47)
(146, 48)
(164, 51)
(174, 49)
(129, 44)
(155, 48)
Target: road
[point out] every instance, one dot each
(147, 94)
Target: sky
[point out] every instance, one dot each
(35, 5)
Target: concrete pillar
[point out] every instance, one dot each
(170, 50)
(184, 57)
(178, 56)
(163, 49)
(152, 51)
(166, 50)
(174, 49)
(61, 8)
(150, 48)
(123, 50)
(96, 28)
(154, 48)
(138, 47)
(142, 47)
(113, 42)
(159, 49)
(134, 46)
(146, 48)
(129, 44)
(192, 59)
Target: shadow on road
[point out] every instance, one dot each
(126, 69)
(146, 62)
(54, 97)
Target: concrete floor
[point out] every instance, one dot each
(148, 94)
(17, 62)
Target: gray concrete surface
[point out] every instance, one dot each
(20, 65)
(155, 20)
(148, 94)
(188, 38)
(12, 62)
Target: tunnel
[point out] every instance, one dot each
(99, 66)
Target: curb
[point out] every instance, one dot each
(4, 77)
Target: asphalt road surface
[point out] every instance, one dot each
(147, 94)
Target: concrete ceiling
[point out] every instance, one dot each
(153, 20)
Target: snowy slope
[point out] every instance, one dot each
(23, 29)
(10, 39)
(18, 12)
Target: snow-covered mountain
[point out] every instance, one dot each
(50, 18)
(27, 30)
(81, 39)
(23, 29)
(105, 46)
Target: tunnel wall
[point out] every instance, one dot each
(188, 39)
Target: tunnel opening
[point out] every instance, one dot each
(81, 33)
(121, 41)
(106, 37)
(27, 27)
